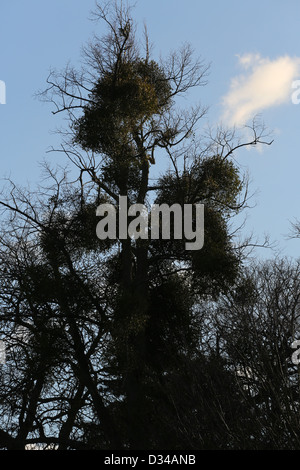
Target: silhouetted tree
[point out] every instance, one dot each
(103, 335)
(256, 324)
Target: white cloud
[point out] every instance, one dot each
(265, 83)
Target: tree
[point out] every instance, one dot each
(256, 324)
(295, 229)
(110, 324)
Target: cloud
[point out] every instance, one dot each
(265, 83)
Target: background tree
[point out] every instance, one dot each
(256, 325)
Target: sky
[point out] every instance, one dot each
(254, 54)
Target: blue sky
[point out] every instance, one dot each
(254, 51)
